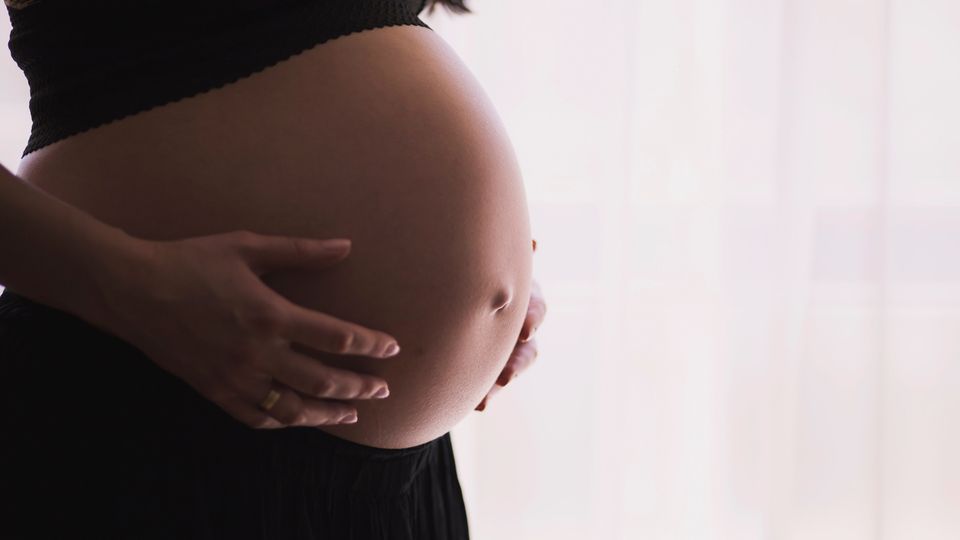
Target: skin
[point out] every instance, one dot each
(194, 297)
(382, 137)
(525, 352)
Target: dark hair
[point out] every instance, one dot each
(455, 6)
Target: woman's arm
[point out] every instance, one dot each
(196, 307)
(57, 254)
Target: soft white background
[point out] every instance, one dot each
(748, 225)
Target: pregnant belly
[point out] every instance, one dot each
(381, 136)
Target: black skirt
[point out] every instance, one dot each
(100, 442)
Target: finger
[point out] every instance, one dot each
(312, 378)
(520, 360)
(267, 253)
(494, 390)
(292, 409)
(248, 414)
(326, 333)
(226, 398)
(536, 312)
(320, 412)
(486, 399)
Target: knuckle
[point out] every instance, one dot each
(247, 355)
(289, 416)
(344, 341)
(299, 247)
(321, 387)
(264, 317)
(244, 237)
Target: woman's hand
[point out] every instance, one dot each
(198, 309)
(525, 352)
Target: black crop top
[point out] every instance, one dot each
(90, 62)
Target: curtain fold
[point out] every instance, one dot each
(748, 225)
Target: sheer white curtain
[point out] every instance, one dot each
(748, 225)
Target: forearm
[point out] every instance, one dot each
(57, 254)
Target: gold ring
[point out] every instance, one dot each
(269, 401)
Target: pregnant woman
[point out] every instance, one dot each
(179, 342)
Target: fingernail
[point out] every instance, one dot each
(534, 244)
(482, 405)
(391, 350)
(349, 419)
(382, 392)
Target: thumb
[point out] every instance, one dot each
(267, 253)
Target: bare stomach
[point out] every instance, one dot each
(381, 136)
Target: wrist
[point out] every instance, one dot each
(118, 273)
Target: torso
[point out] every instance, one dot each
(381, 136)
